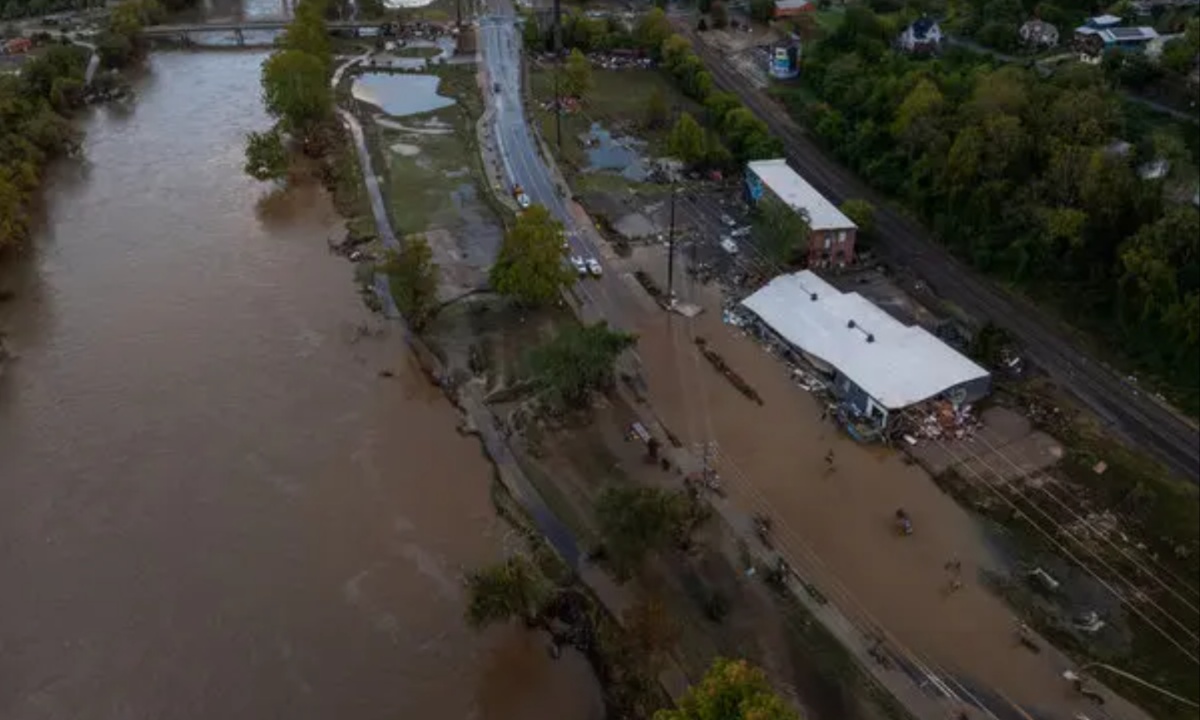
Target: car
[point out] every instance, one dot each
(741, 232)
(728, 245)
(729, 222)
(580, 265)
(523, 201)
(594, 268)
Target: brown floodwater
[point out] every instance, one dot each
(211, 504)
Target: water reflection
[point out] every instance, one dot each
(400, 94)
(608, 153)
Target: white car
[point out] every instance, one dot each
(728, 245)
(594, 268)
(580, 265)
(729, 222)
(740, 232)
(523, 201)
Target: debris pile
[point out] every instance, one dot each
(734, 379)
(944, 420)
(620, 60)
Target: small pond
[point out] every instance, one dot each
(400, 94)
(620, 154)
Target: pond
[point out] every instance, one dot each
(400, 94)
(620, 154)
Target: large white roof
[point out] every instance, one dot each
(902, 365)
(797, 193)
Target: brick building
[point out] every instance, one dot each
(832, 234)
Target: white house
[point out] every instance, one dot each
(924, 35)
(1038, 33)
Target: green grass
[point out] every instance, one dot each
(618, 100)
(418, 187)
(417, 52)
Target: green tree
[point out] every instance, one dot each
(413, 280)
(862, 213)
(687, 141)
(577, 362)
(636, 521)
(296, 90)
(515, 588)
(578, 74)
(531, 33)
(780, 230)
(529, 268)
(656, 109)
(720, 15)
(308, 33)
(266, 155)
(651, 31)
(14, 217)
(730, 690)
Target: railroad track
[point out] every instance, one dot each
(1130, 413)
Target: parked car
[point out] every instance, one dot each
(594, 268)
(580, 265)
(729, 245)
(729, 222)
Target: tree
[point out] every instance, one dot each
(636, 521)
(529, 268)
(266, 156)
(687, 141)
(413, 280)
(652, 31)
(512, 589)
(730, 690)
(579, 74)
(780, 230)
(296, 90)
(862, 213)
(577, 362)
(308, 33)
(656, 109)
(531, 33)
(720, 15)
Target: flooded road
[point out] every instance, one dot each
(211, 503)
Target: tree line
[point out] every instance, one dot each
(34, 130)
(1044, 183)
(296, 92)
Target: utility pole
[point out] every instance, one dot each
(557, 66)
(671, 253)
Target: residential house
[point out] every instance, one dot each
(1038, 34)
(792, 8)
(924, 35)
(831, 234)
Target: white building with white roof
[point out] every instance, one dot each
(875, 364)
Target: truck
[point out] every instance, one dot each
(521, 197)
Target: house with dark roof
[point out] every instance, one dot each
(922, 36)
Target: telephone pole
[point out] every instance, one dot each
(671, 253)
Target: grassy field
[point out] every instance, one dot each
(425, 158)
(618, 100)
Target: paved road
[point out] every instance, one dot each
(600, 299)
(1132, 414)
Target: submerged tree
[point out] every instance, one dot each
(577, 362)
(413, 280)
(266, 155)
(529, 268)
(731, 690)
(296, 90)
(515, 588)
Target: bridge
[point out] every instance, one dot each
(239, 27)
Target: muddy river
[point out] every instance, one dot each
(212, 504)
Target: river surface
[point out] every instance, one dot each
(211, 503)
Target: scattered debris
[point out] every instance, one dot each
(722, 367)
